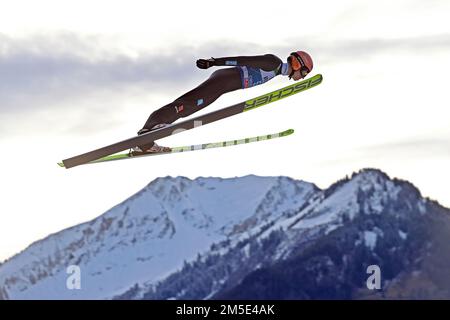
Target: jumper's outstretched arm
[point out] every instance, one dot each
(266, 62)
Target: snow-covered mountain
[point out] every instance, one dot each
(149, 236)
(250, 237)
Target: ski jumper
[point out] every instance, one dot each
(245, 72)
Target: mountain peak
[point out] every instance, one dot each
(371, 172)
(380, 177)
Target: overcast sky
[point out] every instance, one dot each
(77, 75)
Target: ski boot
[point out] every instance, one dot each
(152, 147)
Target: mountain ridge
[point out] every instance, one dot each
(215, 232)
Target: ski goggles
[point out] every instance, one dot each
(298, 64)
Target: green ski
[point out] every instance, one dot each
(195, 122)
(122, 156)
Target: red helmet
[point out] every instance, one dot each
(300, 60)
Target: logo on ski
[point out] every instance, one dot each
(282, 93)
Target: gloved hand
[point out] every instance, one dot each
(206, 63)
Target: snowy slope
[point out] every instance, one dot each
(149, 236)
(357, 221)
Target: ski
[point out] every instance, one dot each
(174, 128)
(196, 147)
